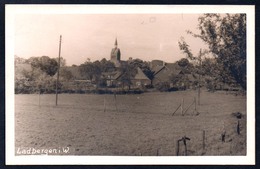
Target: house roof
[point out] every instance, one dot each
(140, 75)
(173, 67)
(157, 69)
(112, 75)
(117, 75)
(163, 73)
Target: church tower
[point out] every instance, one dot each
(115, 55)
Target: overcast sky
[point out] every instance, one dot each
(144, 36)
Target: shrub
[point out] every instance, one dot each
(163, 86)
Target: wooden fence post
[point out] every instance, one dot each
(115, 102)
(195, 104)
(104, 105)
(177, 148)
(182, 106)
(238, 127)
(203, 139)
(185, 146)
(39, 98)
(223, 135)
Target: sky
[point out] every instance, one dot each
(144, 36)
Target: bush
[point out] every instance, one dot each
(163, 86)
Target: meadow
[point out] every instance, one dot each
(131, 125)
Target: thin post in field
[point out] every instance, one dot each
(177, 148)
(199, 77)
(182, 106)
(104, 104)
(39, 98)
(115, 102)
(58, 73)
(203, 139)
(195, 104)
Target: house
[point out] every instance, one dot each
(112, 78)
(163, 73)
(173, 74)
(141, 79)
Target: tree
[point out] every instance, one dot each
(39, 77)
(128, 72)
(90, 70)
(183, 62)
(225, 36)
(62, 61)
(107, 66)
(19, 60)
(65, 74)
(44, 63)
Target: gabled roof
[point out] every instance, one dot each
(157, 69)
(112, 75)
(173, 67)
(117, 75)
(140, 75)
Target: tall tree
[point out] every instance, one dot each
(107, 66)
(225, 36)
(91, 71)
(45, 64)
(62, 61)
(128, 71)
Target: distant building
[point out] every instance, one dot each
(163, 71)
(112, 78)
(173, 74)
(141, 79)
(116, 55)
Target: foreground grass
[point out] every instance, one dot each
(131, 124)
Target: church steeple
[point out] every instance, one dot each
(116, 42)
(115, 55)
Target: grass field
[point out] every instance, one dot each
(130, 125)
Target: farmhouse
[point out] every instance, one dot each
(141, 79)
(112, 78)
(163, 72)
(172, 74)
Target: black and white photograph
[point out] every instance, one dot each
(139, 84)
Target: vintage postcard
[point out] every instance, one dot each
(118, 84)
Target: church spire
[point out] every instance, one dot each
(116, 55)
(116, 42)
